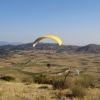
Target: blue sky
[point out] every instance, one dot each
(76, 22)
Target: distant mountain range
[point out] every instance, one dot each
(91, 48)
(6, 43)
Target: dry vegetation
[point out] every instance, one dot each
(27, 68)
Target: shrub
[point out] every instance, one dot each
(59, 84)
(84, 80)
(43, 79)
(78, 91)
(7, 78)
(27, 81)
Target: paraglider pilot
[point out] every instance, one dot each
(48, 65)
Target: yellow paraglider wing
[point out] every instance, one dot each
(48, 36)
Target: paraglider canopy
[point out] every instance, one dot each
(48, 36)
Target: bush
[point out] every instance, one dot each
(79, 84)
(43, 79)
(78, 91)
(84, 81)
(27, 81)
(7, 78)
(59, 84)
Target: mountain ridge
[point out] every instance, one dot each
(90, 48)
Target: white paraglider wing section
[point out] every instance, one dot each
(34, 44)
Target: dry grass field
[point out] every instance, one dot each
(28, 64)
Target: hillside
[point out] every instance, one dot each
(3, 52)
(91, 48)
